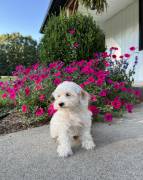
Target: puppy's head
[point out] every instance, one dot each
(70, 95)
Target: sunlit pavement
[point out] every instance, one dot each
(31, 154)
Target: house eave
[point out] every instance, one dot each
(54, 8)
(46, 17)
(114, 7)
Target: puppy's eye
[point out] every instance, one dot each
(67, 94)
(58, 95)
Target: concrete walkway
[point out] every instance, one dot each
(31, 154)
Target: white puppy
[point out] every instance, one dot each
(72, 117)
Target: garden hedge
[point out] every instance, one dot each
(71, 38)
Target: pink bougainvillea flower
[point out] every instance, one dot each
(12, 95)
(82, 85)
(93, 109)
(122, 84)
(104, 54)
(86, 83)
(129, 107)
(39, 111)
(57, 81)
(27, 91)
(70, 70)
(72, 31)
(76, 44)
(117, 85)
(108, 117)
(20, 68)
(38, 87)
(39, 80)
(101, 74)
(124, 89)
(24, 79)
(95, 55)
(27, 71)
(93, 98)
(110, 81)
(4, 96)
(113, 48)
(137, 93)
(107, 64)
(1, 84)
(53, 65)
(127, 55)
(103, 93)
(81, 63)
(87, 70)
(68, 78)
(129, 90)
(57, 74)
(99, 82)
(114, 56)
(42, 97)
(116, 103)
(43, 76)
(35, 66)
(51, 110)
(90, 62)
(24, 108)
(132, 48)
(121, 57)
(91, 79)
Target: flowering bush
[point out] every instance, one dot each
(110, 95)
(119, 69)
(70, 38)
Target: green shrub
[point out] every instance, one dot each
(70, 38)
(16, 49)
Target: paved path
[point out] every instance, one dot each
(31, 154)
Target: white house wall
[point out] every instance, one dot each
(122, 30)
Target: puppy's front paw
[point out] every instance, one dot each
(64, 151)
(88, 145)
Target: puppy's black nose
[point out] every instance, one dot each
(61, 104)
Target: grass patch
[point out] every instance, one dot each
(0, 96)
(7, 78)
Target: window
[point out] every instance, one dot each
(140, 25)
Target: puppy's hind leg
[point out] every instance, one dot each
(64, 147)
(86, 139)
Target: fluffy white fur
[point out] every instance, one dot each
(72, 119)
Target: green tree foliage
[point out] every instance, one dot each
(16, 49)
(71, 38)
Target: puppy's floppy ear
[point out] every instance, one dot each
(84, 97)
(84, 94)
